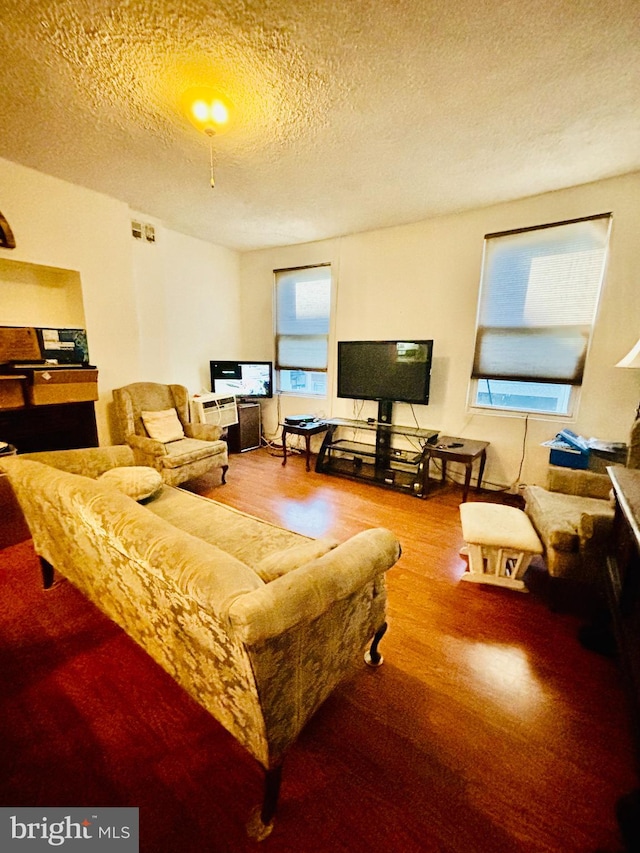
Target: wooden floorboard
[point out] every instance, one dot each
(486, 693)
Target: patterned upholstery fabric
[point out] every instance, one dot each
(259, 657)
(573, 518)
(249, 539)
(200, 452)
(90, 461)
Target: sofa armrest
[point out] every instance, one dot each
(142, 445)
(304, 594)
(596, 527)
(87, 461)
(205, 432)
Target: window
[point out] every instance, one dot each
(538, 299)
(303, 308)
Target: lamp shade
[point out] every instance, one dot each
(632, 358)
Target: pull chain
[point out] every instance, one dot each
(210, 134)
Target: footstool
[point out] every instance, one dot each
(500, 541)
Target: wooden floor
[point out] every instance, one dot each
(496, 721)
(489, 729)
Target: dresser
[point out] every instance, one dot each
(623, 594)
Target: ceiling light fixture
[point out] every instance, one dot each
(209, 112)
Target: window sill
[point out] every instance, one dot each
(512, 413)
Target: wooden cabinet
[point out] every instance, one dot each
(60, 427)
(47, 389)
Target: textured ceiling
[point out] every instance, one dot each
(348, 115)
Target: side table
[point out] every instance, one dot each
(464, 450)
(307, 430)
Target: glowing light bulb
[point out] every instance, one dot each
(219, 112)
(200, 111)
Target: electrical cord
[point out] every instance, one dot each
(524, 450)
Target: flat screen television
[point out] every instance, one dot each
(396, 371)
(250, 380)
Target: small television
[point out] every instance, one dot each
(249, 380)
(394, 371)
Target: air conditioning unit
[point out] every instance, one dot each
(217, 409)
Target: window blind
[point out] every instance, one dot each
(538, 301)
(303, 304)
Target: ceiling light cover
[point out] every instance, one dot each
(207, 110)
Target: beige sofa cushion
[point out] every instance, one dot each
(137, 481)
(281, 562)
(247, 538)
(185, 451)
(163, 426)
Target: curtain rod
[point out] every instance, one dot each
(548, 225)
(305, 267)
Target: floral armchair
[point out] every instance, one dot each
(186, 450)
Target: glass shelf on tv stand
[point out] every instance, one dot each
(392, 429)
(379, 463)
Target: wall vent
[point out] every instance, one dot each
(143, 231)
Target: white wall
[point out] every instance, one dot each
(203, 305)
(152, 311)
(35, 295)
(187, 299)
(422, 281)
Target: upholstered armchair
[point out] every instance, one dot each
(154, 421)
(573, 517)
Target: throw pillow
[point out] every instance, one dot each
(278, 564)
(136, 481)
(164, 426)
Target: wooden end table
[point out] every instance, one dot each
(307, 430)
(463, 450)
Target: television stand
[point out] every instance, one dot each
(379, 463)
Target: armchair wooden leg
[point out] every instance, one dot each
(260, 823)
(47, 573)
(225, 468)
(373, 657)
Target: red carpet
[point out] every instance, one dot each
(88, 719)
